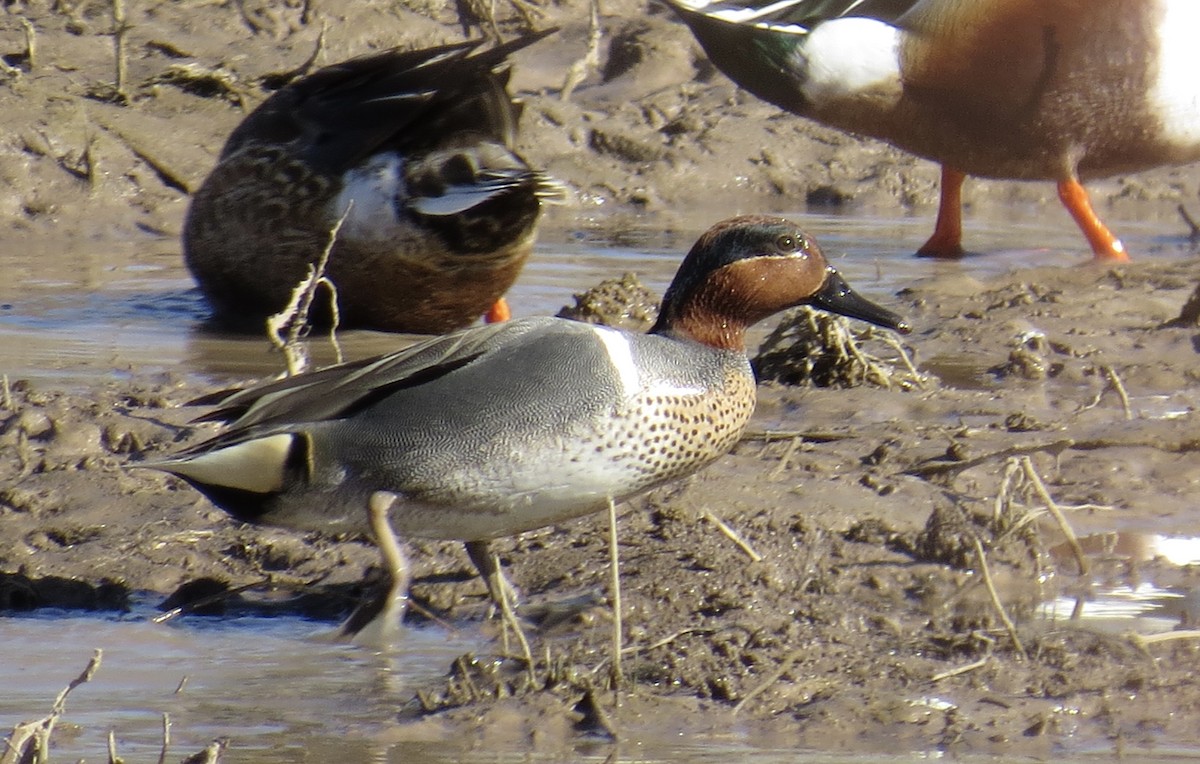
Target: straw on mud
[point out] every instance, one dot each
(784, 666)
(961, 669)
(890, 338)
(294, 317)
(986, 574)
(786, 459)
(634, 649)
(733, 536)
(1119, 386)
(1056, 512)
(169, 176)
(1143, 640)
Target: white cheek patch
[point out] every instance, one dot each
(847, 57)
(620, 357)
(1174, 97)
(372, 190)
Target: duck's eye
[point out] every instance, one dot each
(788, 243)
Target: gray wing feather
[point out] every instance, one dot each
(339, 391)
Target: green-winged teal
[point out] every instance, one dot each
(508, 427)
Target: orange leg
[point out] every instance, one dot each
(1105, 246)
(498, 312)
(946, 241)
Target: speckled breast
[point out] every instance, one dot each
(671, 433)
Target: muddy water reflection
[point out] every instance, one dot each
(1121, 597)
(281, 693)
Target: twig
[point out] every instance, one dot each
(996, 603)
(6, 397)
(1056, 512)
(733, 536)
(961, 669)
(112, 748)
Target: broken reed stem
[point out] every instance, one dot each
(30, 741)
(119, 30)
(30, 43)
(1056, 512)
(986, 574)
(591, 57)
(294, 317)
(889, 338)
(166, 738)
(1114, 380)
(614, 565)
(733, 536)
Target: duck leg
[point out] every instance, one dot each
(377, 617)
(1105, 246)
(946, 241)
(614, 563)
(501, 591)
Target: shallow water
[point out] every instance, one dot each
(117, 308)
(271, 683)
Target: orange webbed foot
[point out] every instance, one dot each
(1105, 246)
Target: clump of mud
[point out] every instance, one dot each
(813, 348)
(623, 303)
